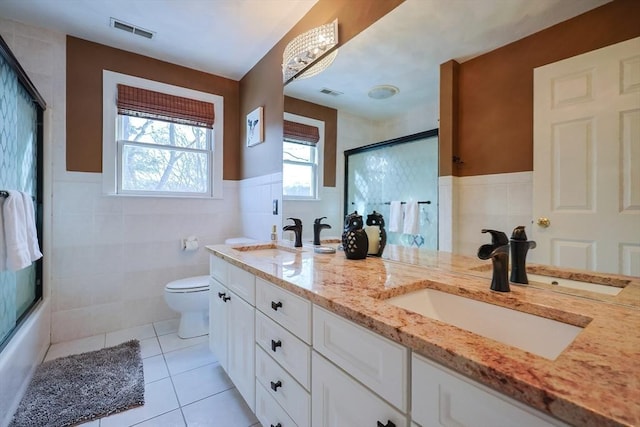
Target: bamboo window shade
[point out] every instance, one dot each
(301, 133)
(137, 102)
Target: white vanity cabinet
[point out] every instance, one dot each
(378, 393)
(441, 397)
(232, 325)
(283, 357)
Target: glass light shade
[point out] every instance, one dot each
(306, 48)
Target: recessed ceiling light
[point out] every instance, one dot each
(383, 91)
(133, 29)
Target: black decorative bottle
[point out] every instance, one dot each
(354, 239)
(376, 233)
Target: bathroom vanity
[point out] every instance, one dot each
(316, 340)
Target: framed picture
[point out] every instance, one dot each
(255, 127)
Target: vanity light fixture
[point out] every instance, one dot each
(311, 47)
(383, 91)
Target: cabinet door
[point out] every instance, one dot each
(339, 401)
(241, 354)
(218, 325)
(443, 398)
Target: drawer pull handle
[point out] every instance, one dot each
(388, 424)
(274, 386)
(276, 305)
(277, 425)
(221, 294)
(275, 344)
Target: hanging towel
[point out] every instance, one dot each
(17, 249)
(32, 233)
(395, 217)
(411, 218)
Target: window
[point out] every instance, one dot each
(160, 140)
(301, 158)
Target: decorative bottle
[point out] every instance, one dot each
(376, 233)
(354, 239)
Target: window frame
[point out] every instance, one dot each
(112, 147)
(319, 165)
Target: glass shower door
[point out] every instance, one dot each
(402, 170)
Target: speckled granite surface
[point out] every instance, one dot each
(595, 381)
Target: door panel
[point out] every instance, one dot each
(586, 177)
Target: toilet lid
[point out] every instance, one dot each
(190, 284)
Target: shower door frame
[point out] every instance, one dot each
(40, 105)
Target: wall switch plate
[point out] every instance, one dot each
(275, 206)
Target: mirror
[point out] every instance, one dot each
(372, 59)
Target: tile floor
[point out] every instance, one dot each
(184, 384)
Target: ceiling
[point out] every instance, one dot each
(406, 47)
(228, 37)
(222, 37)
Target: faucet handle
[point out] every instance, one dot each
(498, 238)
(319, 220)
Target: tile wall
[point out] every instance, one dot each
(500, 202)
(256, 197)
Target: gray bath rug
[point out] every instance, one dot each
(82, 387)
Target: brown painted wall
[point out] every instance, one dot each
(330, 118)
(495, 90)
(262, 86)
(85, 62)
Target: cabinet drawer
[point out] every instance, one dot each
(242, 283)
(441, 397)
(339, 400)
(290, 352)
(379, 363)
(293, 398)
(287, 309)
(269, 412)
(218, 268)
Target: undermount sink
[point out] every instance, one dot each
(535, 334)
(574, 284)
(548, 279)
(271, 252)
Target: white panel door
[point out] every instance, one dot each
(586, 170)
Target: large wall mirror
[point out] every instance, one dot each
(405, 49)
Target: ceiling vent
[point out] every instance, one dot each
(132, 29)
(330, 92)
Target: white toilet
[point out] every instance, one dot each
(190, 298)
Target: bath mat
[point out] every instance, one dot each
(82, 387)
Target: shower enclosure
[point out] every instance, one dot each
(21, 134)
(403, 169)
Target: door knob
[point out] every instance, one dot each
(543, 222)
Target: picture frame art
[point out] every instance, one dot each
(255, 127)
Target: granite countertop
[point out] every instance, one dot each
(595, 381)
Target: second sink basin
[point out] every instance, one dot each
(535, 334)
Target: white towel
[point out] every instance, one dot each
(18, 243)
(411, 218)
(395, 217)
(32, 233)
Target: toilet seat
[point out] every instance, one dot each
(188, 285)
